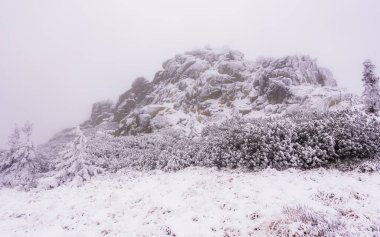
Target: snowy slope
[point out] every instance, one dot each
(194, 90)
(199, 202)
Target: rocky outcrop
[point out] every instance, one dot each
(130, 99)
(277, 92)
(208, 85)
(101, 111)
(297, 70)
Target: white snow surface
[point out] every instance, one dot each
(195, 202)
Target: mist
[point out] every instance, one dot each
(59, 57)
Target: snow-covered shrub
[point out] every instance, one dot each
(19, 165)
(179, 155)
(120, 152)
(299, 140)
(369, 166)
(330, 198)
(141, 152)
(302, 220)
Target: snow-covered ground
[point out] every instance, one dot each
(199, 202)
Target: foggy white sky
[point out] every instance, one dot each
(58, 57)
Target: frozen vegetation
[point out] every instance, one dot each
(214, 145)
(343, 140)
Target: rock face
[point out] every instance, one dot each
(101, 111)
(296, 70)
(131, 98)
(208, 85)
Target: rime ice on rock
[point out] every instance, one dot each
(102, 111)
(208, 85)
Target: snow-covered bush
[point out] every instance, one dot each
(298, 140)
(141, 152)
(302, 220)
(369, 166)
(180, 154)
(19, 165)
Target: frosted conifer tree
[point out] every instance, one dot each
(371, 94)
(19, 164)
(75, 165)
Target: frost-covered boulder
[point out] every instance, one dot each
(277, 92)
(136, 123)
(132, 98)
(299, 69)
(325, 77)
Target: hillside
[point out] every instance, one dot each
(213, 145)
(207, 108)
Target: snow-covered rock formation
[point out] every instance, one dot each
(207, 85)
(101, 111)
